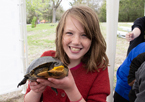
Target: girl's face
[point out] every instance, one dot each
(75, 42)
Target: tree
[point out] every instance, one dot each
(55, 5)
(77, 2)
(129, 10)
(38, 8)
(30, 12)
(94, 4)
(44, 10)
(59, 13)
(102, 12)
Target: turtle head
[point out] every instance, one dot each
(57, 64)
(58, 72)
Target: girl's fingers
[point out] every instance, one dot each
(55, 81)
(58, 83)
(41, 89)
(43, 82)
(38, 88)
(33, 83)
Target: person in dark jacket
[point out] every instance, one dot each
(134, 66)
(137, 35)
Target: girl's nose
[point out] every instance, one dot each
(76, 39)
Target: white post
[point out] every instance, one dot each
(23, 30)
(112, 7)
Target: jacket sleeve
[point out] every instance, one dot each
(140, 23)
(135, 64)
(48, 53)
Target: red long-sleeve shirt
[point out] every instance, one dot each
(94, 87)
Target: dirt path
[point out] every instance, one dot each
(16, 96)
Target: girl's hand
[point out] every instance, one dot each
(37, 87)
(129, 36)
(36, 91)
(66, 83)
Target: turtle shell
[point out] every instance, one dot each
(45, 67)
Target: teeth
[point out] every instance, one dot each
(75, 49)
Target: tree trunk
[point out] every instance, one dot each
(54, 15)
(55, 6)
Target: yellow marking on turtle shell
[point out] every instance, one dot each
(58, 68)
(44, 74)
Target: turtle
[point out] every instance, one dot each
(45, 67)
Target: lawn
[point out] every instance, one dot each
(40, 39)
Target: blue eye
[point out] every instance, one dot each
(84, 35)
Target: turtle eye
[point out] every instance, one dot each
(57, 64)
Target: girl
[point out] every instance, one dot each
(81, 46)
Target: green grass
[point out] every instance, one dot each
(103, 29)
(125, 24)
(42, 27)
(38, 35)
(38, 39)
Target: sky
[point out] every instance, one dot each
(65, 4)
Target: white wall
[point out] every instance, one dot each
(11, 45)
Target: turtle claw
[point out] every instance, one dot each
(55, 90)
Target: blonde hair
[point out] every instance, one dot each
(96, 56)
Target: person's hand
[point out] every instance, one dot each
(134, 34)
(66, 83)
(131, 84)
(130, 36)
(37, 87)
(36, 91)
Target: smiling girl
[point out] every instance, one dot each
(81, 46)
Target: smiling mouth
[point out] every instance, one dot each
(75, 49)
